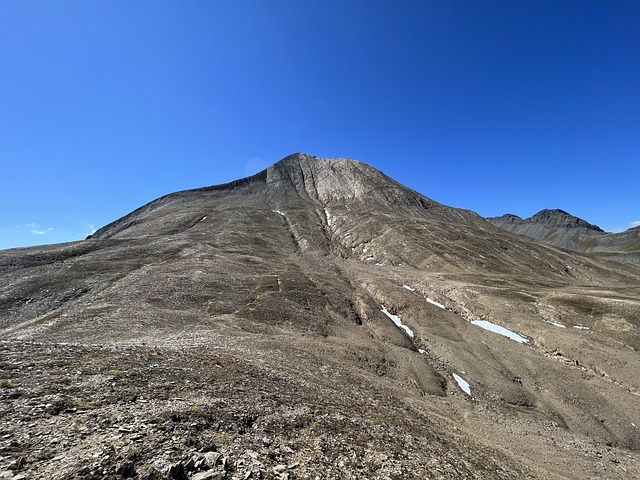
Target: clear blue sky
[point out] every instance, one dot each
(496, 106)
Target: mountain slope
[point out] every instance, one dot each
(564, 230)
(308, 321)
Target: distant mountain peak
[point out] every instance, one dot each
(506, 218)
(562, 229)
(560, 218)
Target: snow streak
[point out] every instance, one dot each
(492, 327)
(396, 319)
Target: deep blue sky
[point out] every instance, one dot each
(496, 106)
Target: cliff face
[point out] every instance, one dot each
(316, 319)
(564, 230)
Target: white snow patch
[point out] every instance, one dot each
(492, 327)
(368, 259)
(581, 327)
(364, 250)
(347, 235)
(433, 302)
(463, 384)
(396, 319)
(422, 350)
(278, 212)
(328, 217)
(379, 264)
(409, 288)
(556, 324)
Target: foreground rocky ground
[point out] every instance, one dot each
(112, 412)
(71, 411)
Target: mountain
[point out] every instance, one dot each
(316, 320)
(564, 230)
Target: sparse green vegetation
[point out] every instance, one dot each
(7, 384)
(116, 374)
(378, 418)
(85, 404)
(198, 411)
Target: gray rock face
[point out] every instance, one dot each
(300, 181)
(308, 322)
(564, 230)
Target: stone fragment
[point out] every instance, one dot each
(208, 475)
(162, 464)
(189, 464)
(212, 458)
(126, 470)
(177, 471)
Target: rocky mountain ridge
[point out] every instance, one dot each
(557, 218)
(564, 230)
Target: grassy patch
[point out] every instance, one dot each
(86, 404)
(199, 411)
(116, 374)
(378, 418)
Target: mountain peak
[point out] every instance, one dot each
(562, 229)
(299, 181)
(326, 180)
(334, 181)
(560, 218)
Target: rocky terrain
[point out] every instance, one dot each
(562, 229)
(316, 320)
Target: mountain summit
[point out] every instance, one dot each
(317, 319)
(298, 180)
(564, 230)
(549, 218)
(560, 218)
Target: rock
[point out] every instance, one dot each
(174, 470)
(177, 471)
(126, 470)
(17, 464)
(200, 464)
(161, 464)
(189, 464)
(83, 471)
(212, 458)
(208, 475)
(253, 472)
